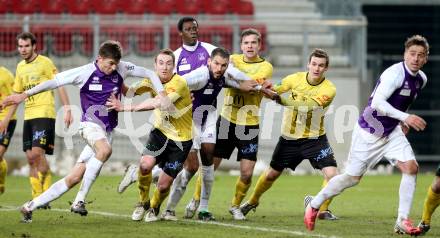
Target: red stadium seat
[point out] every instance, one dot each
(146, 40)
(163, 7)
(26, 6)
(242, 7)
(8, 45)
(217, 7)
(118, 33)
(189, 7)
(108, 6)
(80, 7)
(55, 39)
(83, 39)
(263, 31)
(217, 35)
(42, 39)
(5, 6)
(175, 39)
(53, 6)
(135, 6)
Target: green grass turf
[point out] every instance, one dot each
(367, 210)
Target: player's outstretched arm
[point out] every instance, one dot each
(113, 103)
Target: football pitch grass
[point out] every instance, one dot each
(367, 210)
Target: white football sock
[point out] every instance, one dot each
(178, 188)
(155, 173)
(406, 194)
(93, 167)
(207, 181)
(334, 187)
(55, 191)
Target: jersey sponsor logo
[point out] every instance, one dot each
(129, 67)
(405, 92)
(208, 91)
(95, 87)
(184, 67)
(95, 79)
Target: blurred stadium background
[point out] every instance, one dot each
(363, 37)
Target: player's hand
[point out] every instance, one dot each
(113, 103)
(270, 94)
(267, 84)
(248, 85)
(415, 122)
(68, 118)
(13, 99)
(165, 103)
(3, 127)
(405, 128)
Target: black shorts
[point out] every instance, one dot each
(170, 155)
(39, 132)
(290, 153)
(5, 139)
(227, 140)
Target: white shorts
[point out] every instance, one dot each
(367, 150)
(91, 133)
(206, 133)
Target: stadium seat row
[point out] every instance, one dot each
(65, 40)
(241, 7)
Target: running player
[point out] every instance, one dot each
(380, 133)
(97, 82)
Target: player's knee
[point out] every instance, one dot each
(104, 153)
(246, 177)
(144, 167)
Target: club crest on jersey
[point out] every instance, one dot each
(201, 56)
(183, 61)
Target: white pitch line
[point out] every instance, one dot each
(296, 233)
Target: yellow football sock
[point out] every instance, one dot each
(326, 204)
(262, 186)
(37, 187)
(158, 198)
(240, 192)
(45, 180)
(432, 201)
(3, 172)
(144, 182)
(198, 188)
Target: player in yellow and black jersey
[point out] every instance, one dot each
(39, 112)
(303, 133)
(8, 121)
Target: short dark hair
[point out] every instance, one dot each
(27, 35)
(183, 20)
(320, 53)
(111, 49)
(222, 52)
(417, 40)
(251, 31)
(165, 51)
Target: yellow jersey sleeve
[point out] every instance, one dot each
(28, 75)
(325, 94)
(176, 126)
(285, 84)
(141, 87)
(6, 83)
(242, 108)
